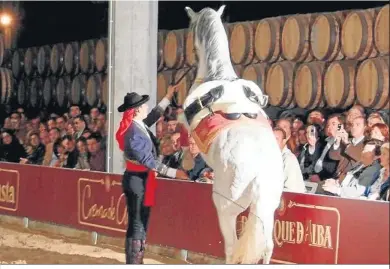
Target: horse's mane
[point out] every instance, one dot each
(209, 31)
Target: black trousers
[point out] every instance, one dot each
(133, 184)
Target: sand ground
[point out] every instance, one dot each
(23, 246)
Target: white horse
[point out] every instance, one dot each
(244, 155)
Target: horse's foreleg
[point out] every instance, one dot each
(227, 216)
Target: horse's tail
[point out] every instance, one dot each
(256, 239)
(251, 245)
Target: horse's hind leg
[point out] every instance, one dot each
(268, 225)
(227, 215)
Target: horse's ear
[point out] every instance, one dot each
(220, 10)
(191, 14)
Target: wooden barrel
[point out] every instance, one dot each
(162, 34)
(57, 59)
(228, 29)
(295, 38)
(372, 83)
(308, 85)
(71, 58)
(62, 92)
(6, 86)
(93, 92)
(357, 39)
(184, 84)
(241, 43)
(325, 38)
(17, 63)
(87, 56)
(78, 90)
(22, 94)
(2, 49)
(7, 59)
(104, 93)
(164, 79)
(43, 60)
(267, 41)
(256, 73)
(49, 86)
(35, 93)
(190, 49)
(174, 49)
(339, 84)
(238, 69)
(381, 31)
(30, 61)
(279, 84)
(101, 53)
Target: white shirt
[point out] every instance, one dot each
(293, 175)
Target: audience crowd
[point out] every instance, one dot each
(345, 154)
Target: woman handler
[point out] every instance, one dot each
(140, 148)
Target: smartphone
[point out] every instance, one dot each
(313, 131)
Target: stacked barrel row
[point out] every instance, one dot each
(56, 76)
(293, 57)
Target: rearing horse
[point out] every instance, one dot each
(224, 115)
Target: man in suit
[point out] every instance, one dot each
(140, 149)
(347, 151)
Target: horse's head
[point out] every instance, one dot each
(200, 22)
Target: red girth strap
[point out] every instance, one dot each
(151, 182)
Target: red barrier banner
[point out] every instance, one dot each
(308, 228)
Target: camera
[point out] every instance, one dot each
(339, 127)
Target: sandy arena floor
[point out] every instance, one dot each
(22, 246)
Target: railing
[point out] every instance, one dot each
(308, 228)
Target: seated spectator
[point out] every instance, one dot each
(74, 111)
(325, 167)
(379, 131)
(83, 160)
(159, 129)
(298, 123)
(59, 154)
(317, 116)
(97, 160)
(374, 118)
(354, 112)
(286, 125)
(54, 135)
(347, 151)
(10, 149)
(360, 177)
(80, 126)
(171, 123)
(44, 137)
(71, 152)
(293, 176)
(51, 123)
(70, 130)
(301, 138)
(37, 153)
(60, 123)
(311, 151)
(200, 172)
(171, 150)
(379, 187)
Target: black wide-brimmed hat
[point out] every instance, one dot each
(133, 100)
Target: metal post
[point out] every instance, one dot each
(110, 106)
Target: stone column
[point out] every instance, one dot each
(133, 63)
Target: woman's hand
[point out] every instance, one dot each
(180, 174)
